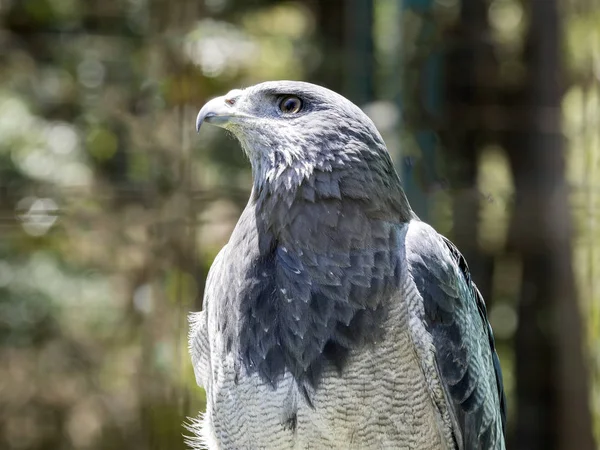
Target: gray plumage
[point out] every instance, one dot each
(334, 318)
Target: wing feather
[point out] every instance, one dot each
(453, 313)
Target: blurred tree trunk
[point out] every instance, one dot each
(330, 40)
(346, 42)
(470, 90)
(421, 100)
(359, 65)
(552, 378)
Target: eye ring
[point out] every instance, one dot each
(290, 104)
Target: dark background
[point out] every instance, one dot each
(112, 208)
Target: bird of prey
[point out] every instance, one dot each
(334, 318)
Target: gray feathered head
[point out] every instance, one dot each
(290, 130)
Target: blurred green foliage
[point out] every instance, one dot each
(111, 210)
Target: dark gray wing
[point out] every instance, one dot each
(454, 316)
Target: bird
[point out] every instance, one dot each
(334, 318)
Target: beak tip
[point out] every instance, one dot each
(216, 111)
(199, 119)
(204, 116)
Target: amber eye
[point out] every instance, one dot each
(290, 104)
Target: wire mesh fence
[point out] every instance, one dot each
(112, 209)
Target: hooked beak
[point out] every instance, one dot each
(216, 112)
(221, 110)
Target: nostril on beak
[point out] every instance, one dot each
(232, 97)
